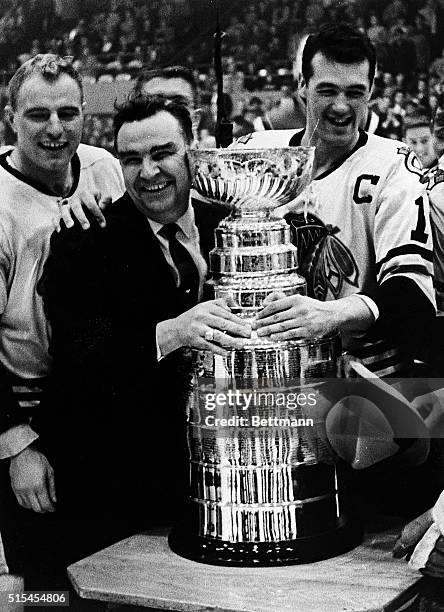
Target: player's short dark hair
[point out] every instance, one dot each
(49, 66)
(341, 43)
(137, 107)
(421, 118)
(169, 72)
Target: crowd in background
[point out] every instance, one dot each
(114, 39)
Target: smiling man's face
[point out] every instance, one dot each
(152, 154)
(337, 96)
(48, 122)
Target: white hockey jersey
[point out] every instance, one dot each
(368, 221)
(27, 219)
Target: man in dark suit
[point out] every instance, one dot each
(121, 301)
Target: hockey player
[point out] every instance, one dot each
(365, 245)
(47, 165)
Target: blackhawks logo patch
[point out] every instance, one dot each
(412, 163)
(325, 261)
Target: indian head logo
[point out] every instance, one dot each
(325, 261)
(430, 178)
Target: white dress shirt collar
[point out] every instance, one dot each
(186, 223)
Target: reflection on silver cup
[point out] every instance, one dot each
(252, 180)
(264, 482)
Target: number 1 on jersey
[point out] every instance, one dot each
(418, 233)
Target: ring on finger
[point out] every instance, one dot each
(209, 335)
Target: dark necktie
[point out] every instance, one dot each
(188, 272)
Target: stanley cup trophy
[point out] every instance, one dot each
(265, 485)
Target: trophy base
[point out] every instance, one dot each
(259, 554)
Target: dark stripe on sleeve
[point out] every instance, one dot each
(406, 249)
(404, 269)
(10, 413)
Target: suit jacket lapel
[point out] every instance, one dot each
(144, 270)
(140, 253)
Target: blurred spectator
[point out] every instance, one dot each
(98, 131)
(437, 66)
(429, 12)
(207, 138)
(420, 94)
(421, 37)
(393, 12)
(378, 36)
(390, 125)
(86, 63)
(410, 108)
(254, 111)
(128, 30)
(397, 106)
(381, 106)
(433, 102)
(137, 60)
(388, 79)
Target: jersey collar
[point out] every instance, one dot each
(296, 140)
(75, 166)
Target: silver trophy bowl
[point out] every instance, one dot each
(268, 494)
(255, 180)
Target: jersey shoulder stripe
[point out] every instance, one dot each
(406, 249)
(406, 269)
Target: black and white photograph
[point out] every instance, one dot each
(222, 305)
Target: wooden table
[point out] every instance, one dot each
(143, 571)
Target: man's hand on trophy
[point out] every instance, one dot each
(296, 316)
(299, 316)
(210, 325)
